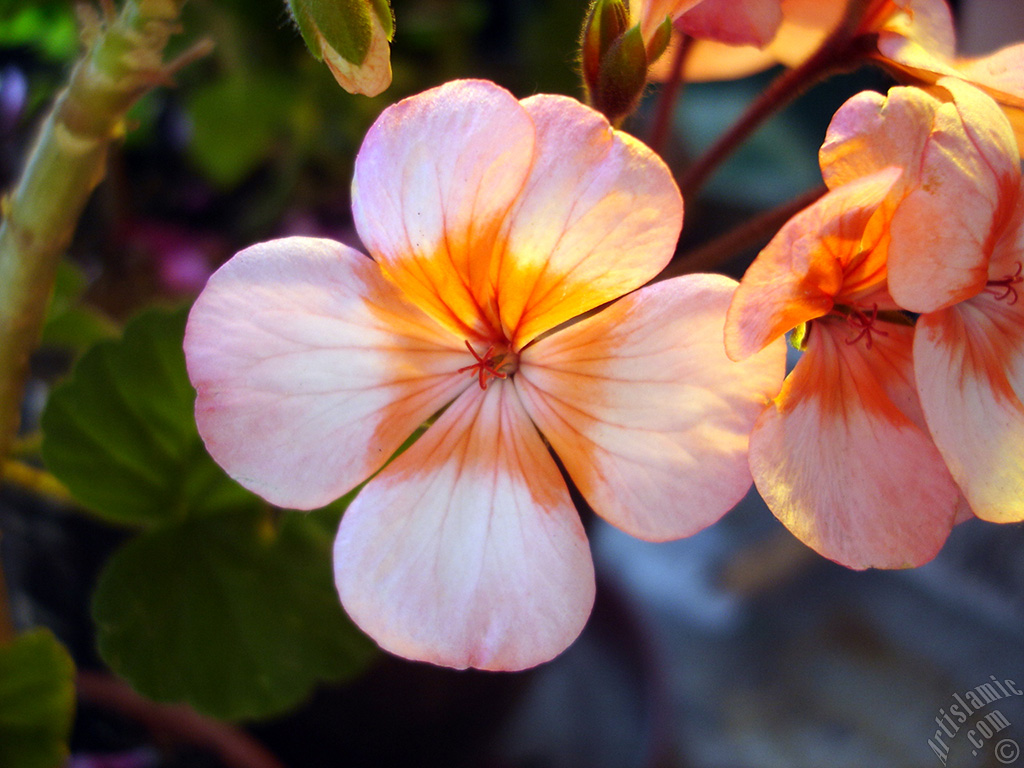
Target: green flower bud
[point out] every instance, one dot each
(622, 76)
(352, 37)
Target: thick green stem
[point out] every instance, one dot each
(123, 60)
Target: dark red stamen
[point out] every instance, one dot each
(865, 323)
(486, 365)
(1004, 288)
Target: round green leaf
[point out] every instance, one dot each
(235, 614)
(121, 432)
(37, 701)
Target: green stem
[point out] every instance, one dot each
(123, 60)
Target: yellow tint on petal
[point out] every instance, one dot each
(433, 185)
(311, 369)
(598, 216)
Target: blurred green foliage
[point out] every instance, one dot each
(222, 602)
(37, 701)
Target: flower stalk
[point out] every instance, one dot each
(123, 59)
(844, 48)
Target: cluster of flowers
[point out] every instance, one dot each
(505, 303)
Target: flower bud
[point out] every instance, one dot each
(622, 76)
(352, 37)
(606, 21)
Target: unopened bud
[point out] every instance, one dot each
(352, 37)
(622, 76)
(606, 21)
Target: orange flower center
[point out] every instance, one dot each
(492, 364)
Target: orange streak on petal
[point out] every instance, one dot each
(466, 550)
(802, 272)
(842, 466)
(970, 368)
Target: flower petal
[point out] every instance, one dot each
(737, 22)
(800, 273)
(871, 131)
(311, 369)
(433, 182)
(466, 550)
(961, 172)
(842, 466)
(945, 229)
(969, 361)
(648, 415)
(598, 217)
(923, 36)
(1001, 75)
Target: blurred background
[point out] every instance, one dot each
(736, 648)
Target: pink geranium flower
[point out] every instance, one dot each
(844, 456)
(490, 222)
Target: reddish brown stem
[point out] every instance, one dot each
(840, 50)
(176, 721)
(755, 231)
(669, 95)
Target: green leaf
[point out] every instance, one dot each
(48, 28)
(235, 614)
(121, 434)
(69, 322)
(37, 701)
(235, 122)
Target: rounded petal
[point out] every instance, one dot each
(801, 272)
(922, 38)
(433, 183)
(311, 369)
(599, 216)
(645, 411)
(871, 131)
(969, 361)
(842, 466)
(1001, 75)
(466, 551)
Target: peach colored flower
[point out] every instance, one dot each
(844, 456)
(491, 222)
(956, 257)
